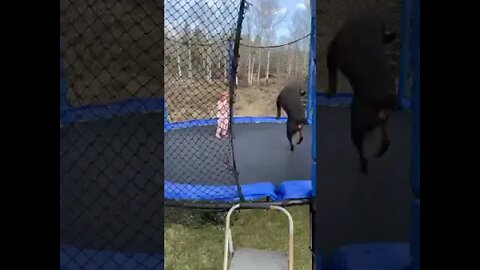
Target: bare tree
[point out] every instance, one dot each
(298, 52)
(249, 21)
(269, 15)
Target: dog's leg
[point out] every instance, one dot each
(279, 107)
(289, 137)
(300, 138)
(358, 139)
(385, 144)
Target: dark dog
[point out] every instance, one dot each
(358, 51)
(290, 100)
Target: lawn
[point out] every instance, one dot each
(195, 241)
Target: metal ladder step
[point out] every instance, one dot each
(258, 259)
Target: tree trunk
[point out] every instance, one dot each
(190, 75)
(253, 67)
(218, 71)
(290, 61)
(293, 62)
(278, 69)
(268, 66)
(296, 72)
(209, 65)
(259, 66)
(225, 69)
(249, 67)
(179, 68)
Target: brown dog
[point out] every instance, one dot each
(289, 99)
(358, 51)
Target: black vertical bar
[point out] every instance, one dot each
(233, 73)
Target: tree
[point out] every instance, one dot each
(269, 17)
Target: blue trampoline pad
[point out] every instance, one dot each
(374, 256)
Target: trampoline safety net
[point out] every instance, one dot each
(111, 134)
(200, 39)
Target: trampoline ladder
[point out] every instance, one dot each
(257, 259)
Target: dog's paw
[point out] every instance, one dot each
(300, 140)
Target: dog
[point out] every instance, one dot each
(290, 100)
(358, 51)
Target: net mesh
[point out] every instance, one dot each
(332, 15)
(199, 37)
(265, 69)
(111, 134)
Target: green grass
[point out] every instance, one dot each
(195, 240)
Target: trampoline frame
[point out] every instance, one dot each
(310, 115)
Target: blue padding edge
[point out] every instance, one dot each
(213, 121)
(94, 112)
(374, 256)
(405, 102)
(295, 189)
(415, 248)
(176, 191)
(72, 258)
(292, 189)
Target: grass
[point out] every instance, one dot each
(197, 243)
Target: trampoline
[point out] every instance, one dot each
(267, 168)
(122, 162)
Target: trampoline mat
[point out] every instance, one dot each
(262, 154)
(266, 166)
(352, 207)
(111, 184)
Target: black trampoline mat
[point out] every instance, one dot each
(262, 153)
(352, 207)
(111, 184)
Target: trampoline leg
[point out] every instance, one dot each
(247, 256)
(230, 242)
